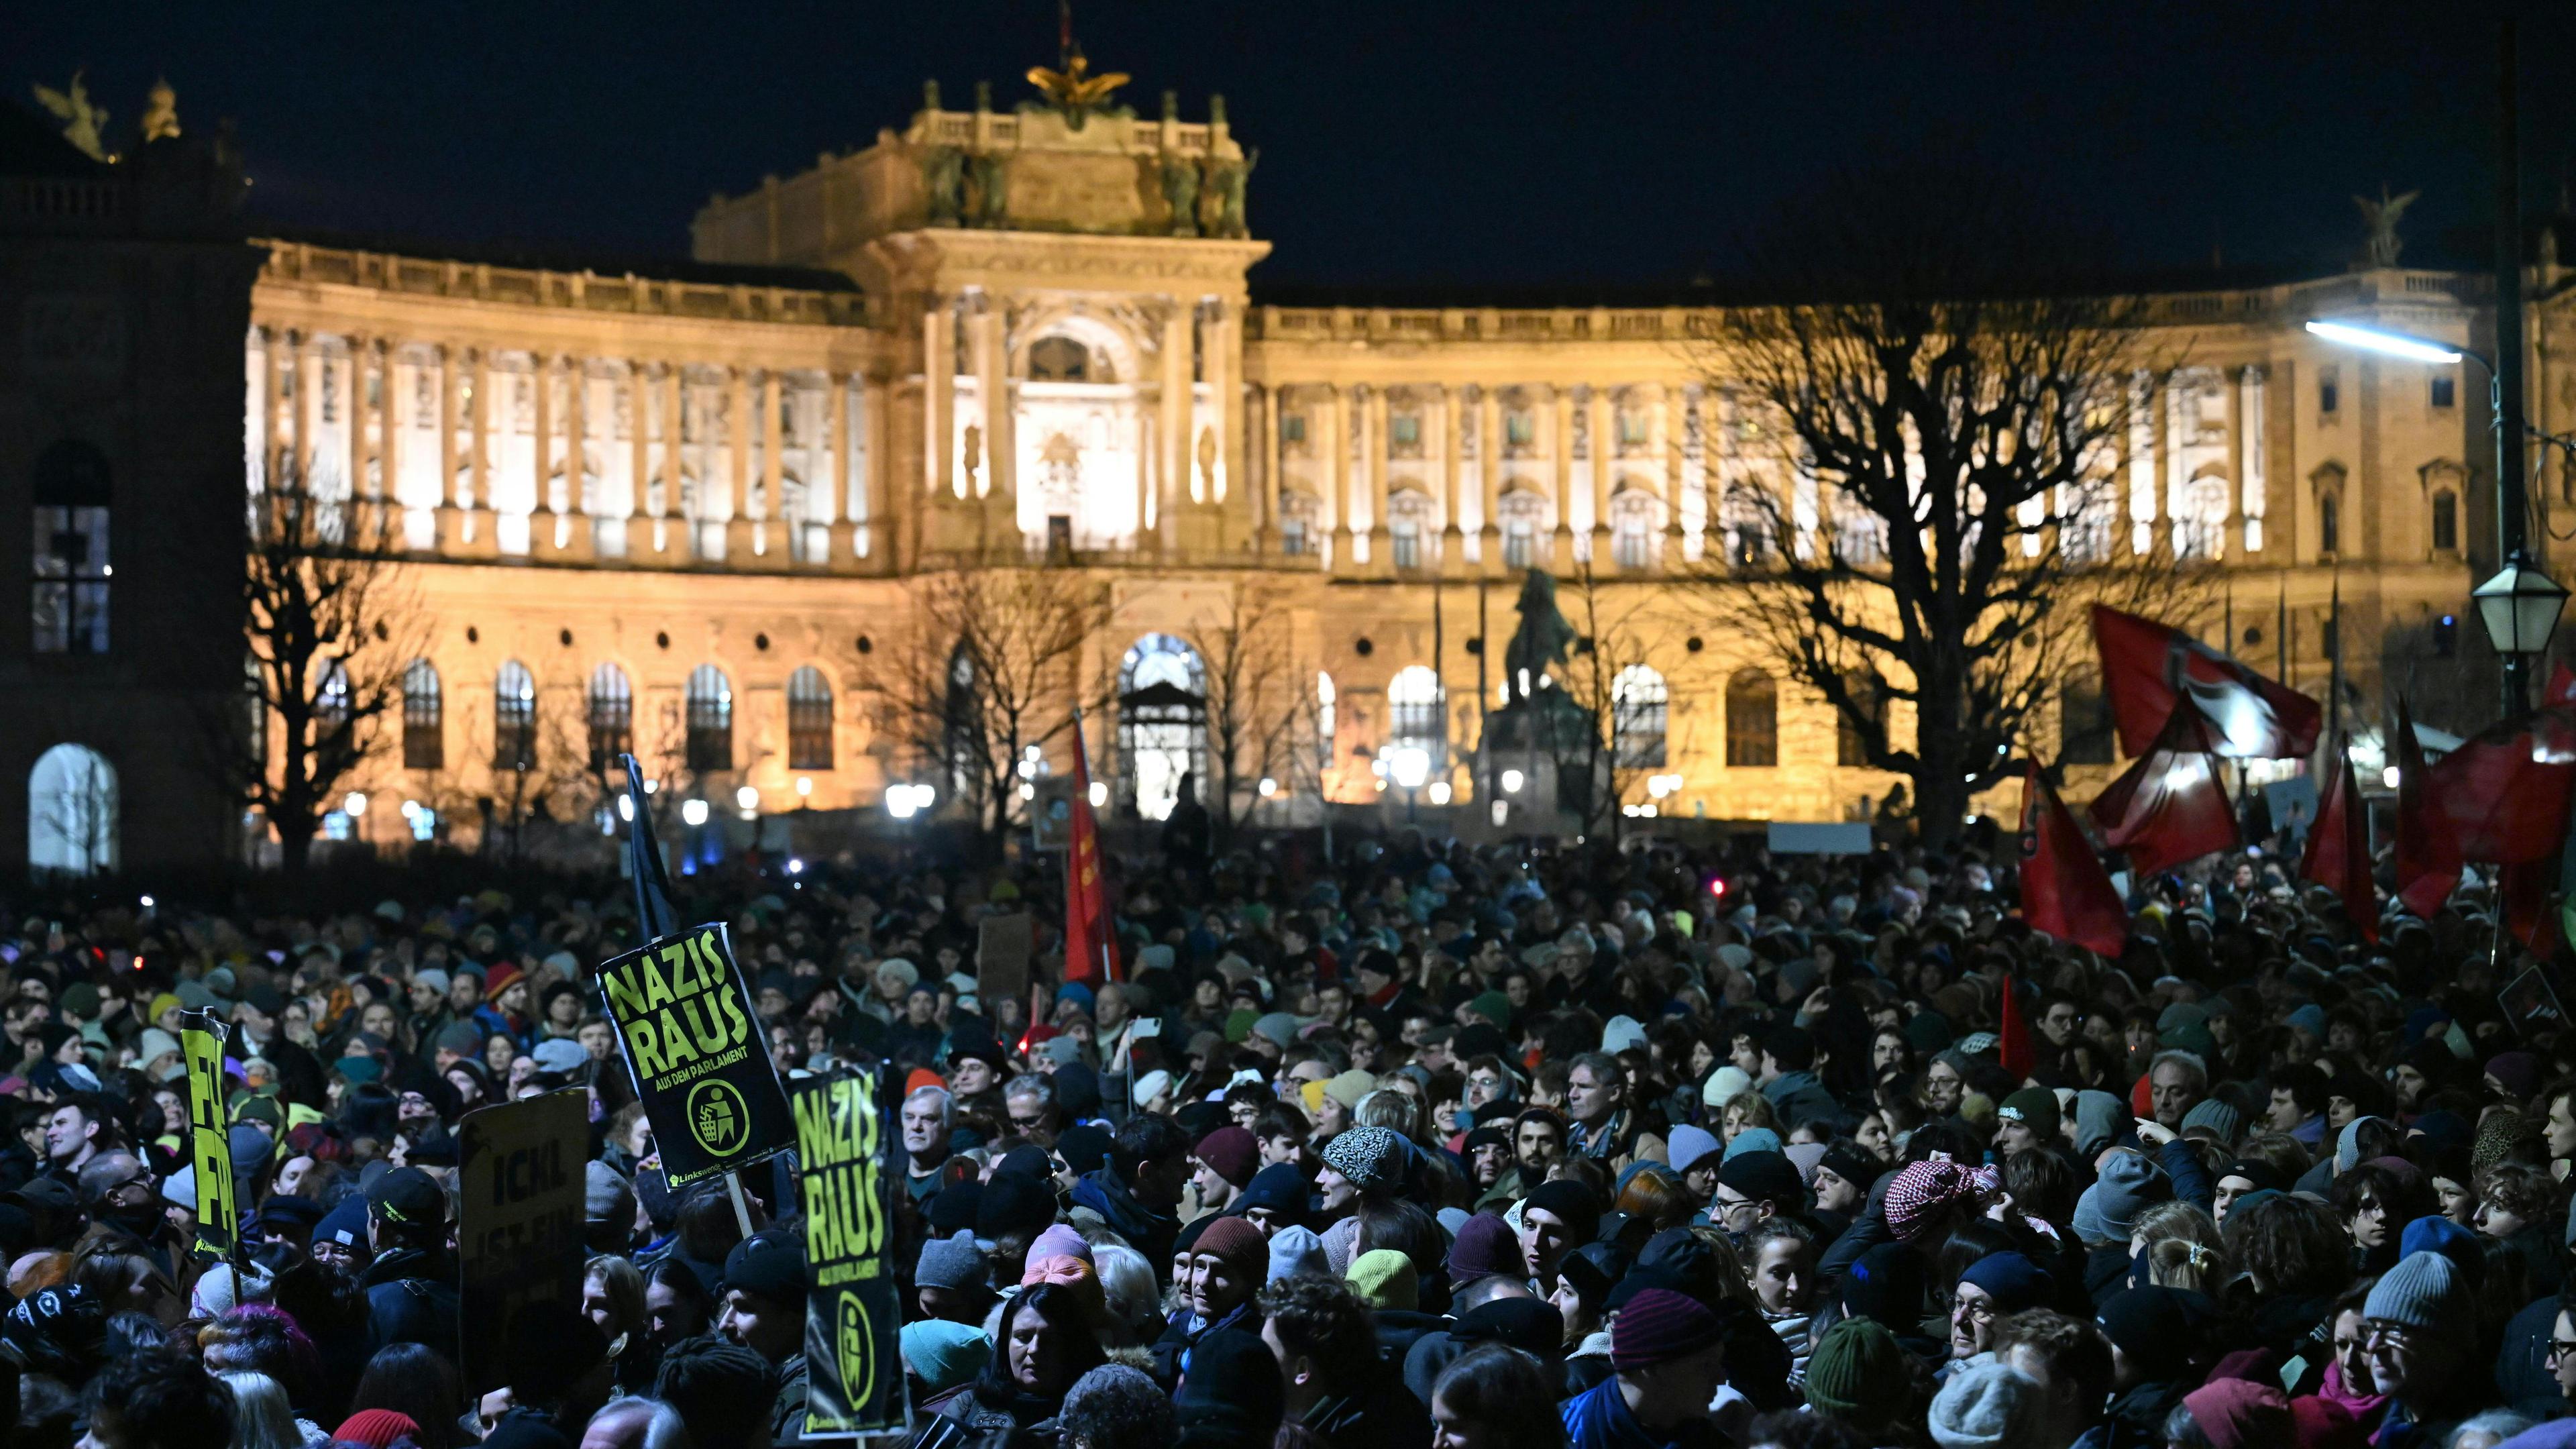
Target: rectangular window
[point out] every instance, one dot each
(2446, 522)
(1404, 430)
(1292, 536)
(2445, 392)
(1632, 429)
(1631, 548)
(1520, 544)
(2329, 389)
(71, 583)
(1404, 538)
(1519, 426)
(1292, 428)
(2083, 726)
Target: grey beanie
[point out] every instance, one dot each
(2424, 1291)
(1985, 1405)
(605, 1196)
(951, 1262)
(1295, 1250)
(2347, 1154)
(2129, 1185)
(2218, 1117)
(461, 1037)
(2099, 1116)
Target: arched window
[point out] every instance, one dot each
(71, 539)
(1162, 714)
(1640, 708)
(1408, 517)
(1632, 531)
(514, 717)
(2329, 524)
(2446, 522)
(1413, 706)
(1851, 745)
(71, 812)
(1752, 721)
(1059, 359)
(2084, 734)
(710, 720)
(612, 717)
(424, 718)
(1519, 512)
(809, 720)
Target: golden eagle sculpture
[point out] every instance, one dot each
(1074, 90)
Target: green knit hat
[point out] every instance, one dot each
(1384, 1279)
(1928, 1032)
(1859, 1372)
(2036, 1109)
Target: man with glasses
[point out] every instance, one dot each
(1031, 1104)
(1996, 1284)
(1753, 1186)
(2420, 1336)
(123, 1200)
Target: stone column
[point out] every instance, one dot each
(874, 516)
(1453, 538)
(743, 422)
(1261, 407)
(679, 529)
(1333, 451)
(541, 502)
(772, 524)
(993, 389)
(1490, 453)
(1560, 438)
(581, 536)
(2252, 437)
(299, 358)
(265, 346)
(478, 538)
(451, 515)
(828, 544)
(639, 462)
(1373, 458)
(1179, 424)
(1601, 441)
(1670, 443)
(354, 430)
(390, 422)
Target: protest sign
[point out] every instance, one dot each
(692, 1039)
(854, 1373)
(1002, 946)
(520, 1220)
(2530, 1004)
(210, 1148)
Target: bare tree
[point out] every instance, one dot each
(1249, 674)
(1623, 718)
(992, 667)
(1946, 400)
(332, 625)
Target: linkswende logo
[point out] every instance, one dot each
(718, 1117)
(854, 1344)
(681, 1012)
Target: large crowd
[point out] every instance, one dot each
(1417, 1144)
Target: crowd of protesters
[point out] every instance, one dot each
(1422, 1144)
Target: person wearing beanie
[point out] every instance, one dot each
(2026, 1121)
(1558, 1217)
(1694, 1153)
(378, 1428)
(1227, 1266)
(2152, 1340)
(1274, 1199)
(1860, 1376)
(2129, 1184)
(1363, 1161)
(943, 1356)
(2236, 1179)
(2216, 1120)
(1790, 1059)
(1985, 1406)
(1483, 1248)
(1843, 1178)
(1667, 1357)
(2240, 1414)
(1384, 1279)
(1224, 1162)
(765, 1287)
(1753, 1187)
(1995, 1285)
(1232, 1396)
(950, 1281)
(1295, 1250)
(2422, 1345)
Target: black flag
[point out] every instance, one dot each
(654, 917)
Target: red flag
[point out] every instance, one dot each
(2506, 792)
(2428, 846)
(2149, 668)
(2169, 807)
(1089, 953)
(2339, 847)
(2064, 890)
(2018, 1057)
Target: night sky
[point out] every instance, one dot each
(1456, 148)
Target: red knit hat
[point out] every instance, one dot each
(503, 977)
(378, 1428)
(1239, 1244)
(1660, 1325)
(1232, 1152)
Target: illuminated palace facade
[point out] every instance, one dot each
(692, 512)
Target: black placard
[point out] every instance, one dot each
(699, 1057)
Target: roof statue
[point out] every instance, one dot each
(161, 113)
(83, 123)
(1071, 86)
(2380, 244)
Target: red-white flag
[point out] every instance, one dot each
(2169, 808)
(2338, 855)
(2506, 790)
(2149, 668)
(1090, 953)
(2064, 890)
(2428, 845)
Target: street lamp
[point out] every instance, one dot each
(2519, 607)
(693, 813)
(1408, 766)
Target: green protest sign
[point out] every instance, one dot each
(854, 1371)
(210, 1149)
(700, 1060)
